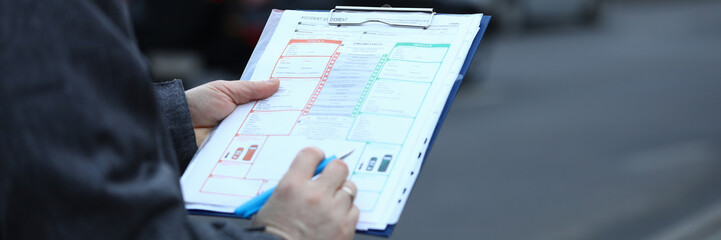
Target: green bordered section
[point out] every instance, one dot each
(379, 67)
(357, 109)
(369, 84)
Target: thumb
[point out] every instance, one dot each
(242, 91)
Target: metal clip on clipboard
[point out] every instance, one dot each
(385, 8)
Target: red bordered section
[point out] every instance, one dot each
(290, 51)
(321, 83)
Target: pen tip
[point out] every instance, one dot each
(346, 154)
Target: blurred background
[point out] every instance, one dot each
(580, 119)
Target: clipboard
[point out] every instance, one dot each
(262, 43)
(385, 8)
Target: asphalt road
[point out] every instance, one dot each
(608, 132)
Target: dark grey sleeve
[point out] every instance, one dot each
(85, 152)
(173, 106)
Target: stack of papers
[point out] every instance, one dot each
(375, 88)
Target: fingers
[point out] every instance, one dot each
(304, 164)
(201, 134)
(353, 216)
(305, 209)
(245, 91)
(347, 192)
(333, 175)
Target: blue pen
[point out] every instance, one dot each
(253, 205)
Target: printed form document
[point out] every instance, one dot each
(375, 88)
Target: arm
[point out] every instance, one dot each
(173, 107)
(85, 153)
(190, 116)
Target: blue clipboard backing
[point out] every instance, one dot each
(485, 20)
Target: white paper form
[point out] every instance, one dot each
(374, 88)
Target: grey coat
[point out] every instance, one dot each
(86, 151)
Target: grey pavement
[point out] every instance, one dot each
(607, 132)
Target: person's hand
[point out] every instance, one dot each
(211, 102)
(301, 208)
